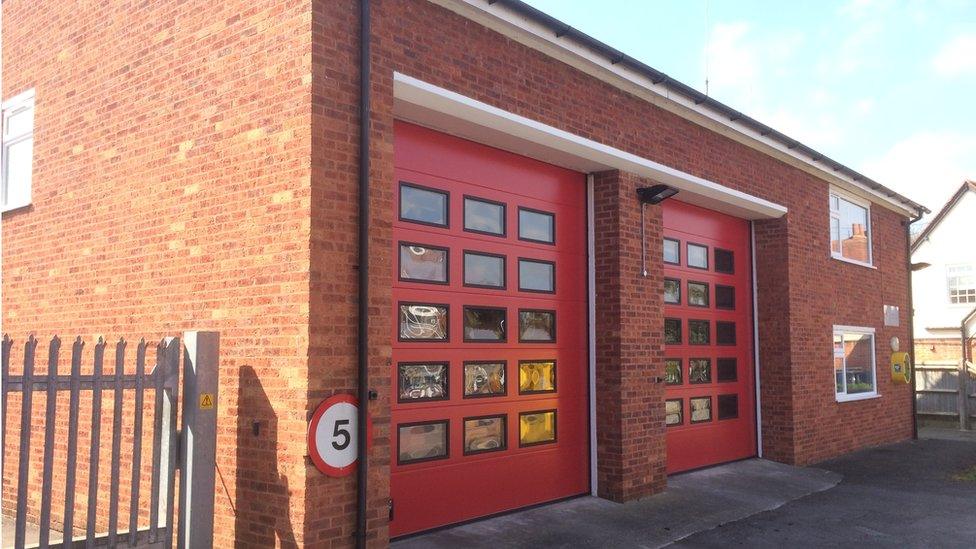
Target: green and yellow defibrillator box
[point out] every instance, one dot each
(901, 367)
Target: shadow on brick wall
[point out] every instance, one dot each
(261, 499)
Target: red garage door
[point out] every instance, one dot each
(489, 332)
(710, 410)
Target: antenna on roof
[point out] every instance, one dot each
(708, 39)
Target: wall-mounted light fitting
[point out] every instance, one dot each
(655, 194)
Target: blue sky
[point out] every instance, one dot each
(887, 87)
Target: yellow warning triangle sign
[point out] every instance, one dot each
(206, 401)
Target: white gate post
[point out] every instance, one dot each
(198, 448)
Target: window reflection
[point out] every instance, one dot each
(484, 324)
(423, 205)
(423, 322)
(422, 263)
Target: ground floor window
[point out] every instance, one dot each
(854, 363)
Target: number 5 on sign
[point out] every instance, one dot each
(332, 443)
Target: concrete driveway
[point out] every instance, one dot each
(902, 495)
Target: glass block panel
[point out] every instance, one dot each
(672, 291)
(537, 427)
(724, 297)
(673, 413)
(699, 370)
(672, 251)
(422, 381)
(423, 322)
(697, 256)
(672, 371)
(484, 324)
(537, 276)
(421, 441)
(728, 406)
(484, 379)
(701, 409)
(672, 331)
(537, 226)
(537, 326)
(423, 205)
(698, 294)
(485, 270)
(423, 263)
(484, 216)
(484, 434)
(698, 332)
(724, 261)
(727, 369)
(537, 376)
(724, 333)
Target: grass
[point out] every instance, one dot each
(966, 475)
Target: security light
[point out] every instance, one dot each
(655, 194)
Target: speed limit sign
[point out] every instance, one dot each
(332, 443)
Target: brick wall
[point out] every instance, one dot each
(941, 350)
(172, 192)
(630, 432)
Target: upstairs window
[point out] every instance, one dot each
(961, 283)
(17, 151)
(850, 229)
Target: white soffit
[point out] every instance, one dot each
(437, 108)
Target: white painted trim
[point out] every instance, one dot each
(755, 342)
(591, 328)
(16, 104)
(855, 329)
(500, 18)
(841, 194)
(858, 396)
(851, 261)
(19, 99)
(442, 109)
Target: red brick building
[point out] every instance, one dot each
(534, 331)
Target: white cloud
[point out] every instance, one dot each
(957, 56)
(864, 107)
(733, 62)
(863, 9)
(927, 166)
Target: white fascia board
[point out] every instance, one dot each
(438, 108)
(501, 19)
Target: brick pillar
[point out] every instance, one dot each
(631, 451)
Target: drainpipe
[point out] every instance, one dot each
(362, 339)
(964, 372)
(911, 319)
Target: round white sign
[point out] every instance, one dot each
(332, 443)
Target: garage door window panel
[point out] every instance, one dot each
(672, 251)
(537, 226)
(485, 324)
(699, 332)
(697, 256)
(484, 216)
(537, 326)
(422, 441)
(855, 375)
(484, 270)
(423, 263)
(423, 322)
(537, 427)
(485, 379)
(485, 434)
(674, 412)
(536, 275)
(672, 371)
(697, 294)
(672, 291)
(537, 376)
(424, 205)
(727, 370)
(724, 261)
(423, 381)
(724, 297)
(699, 370)
(728, 406)
(724, 333)
(701, 409)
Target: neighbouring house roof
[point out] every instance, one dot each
(967, 186)
(616, 58)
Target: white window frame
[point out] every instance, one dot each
(860, 330)
(950, 288)
(835, 214)
(16, 104)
